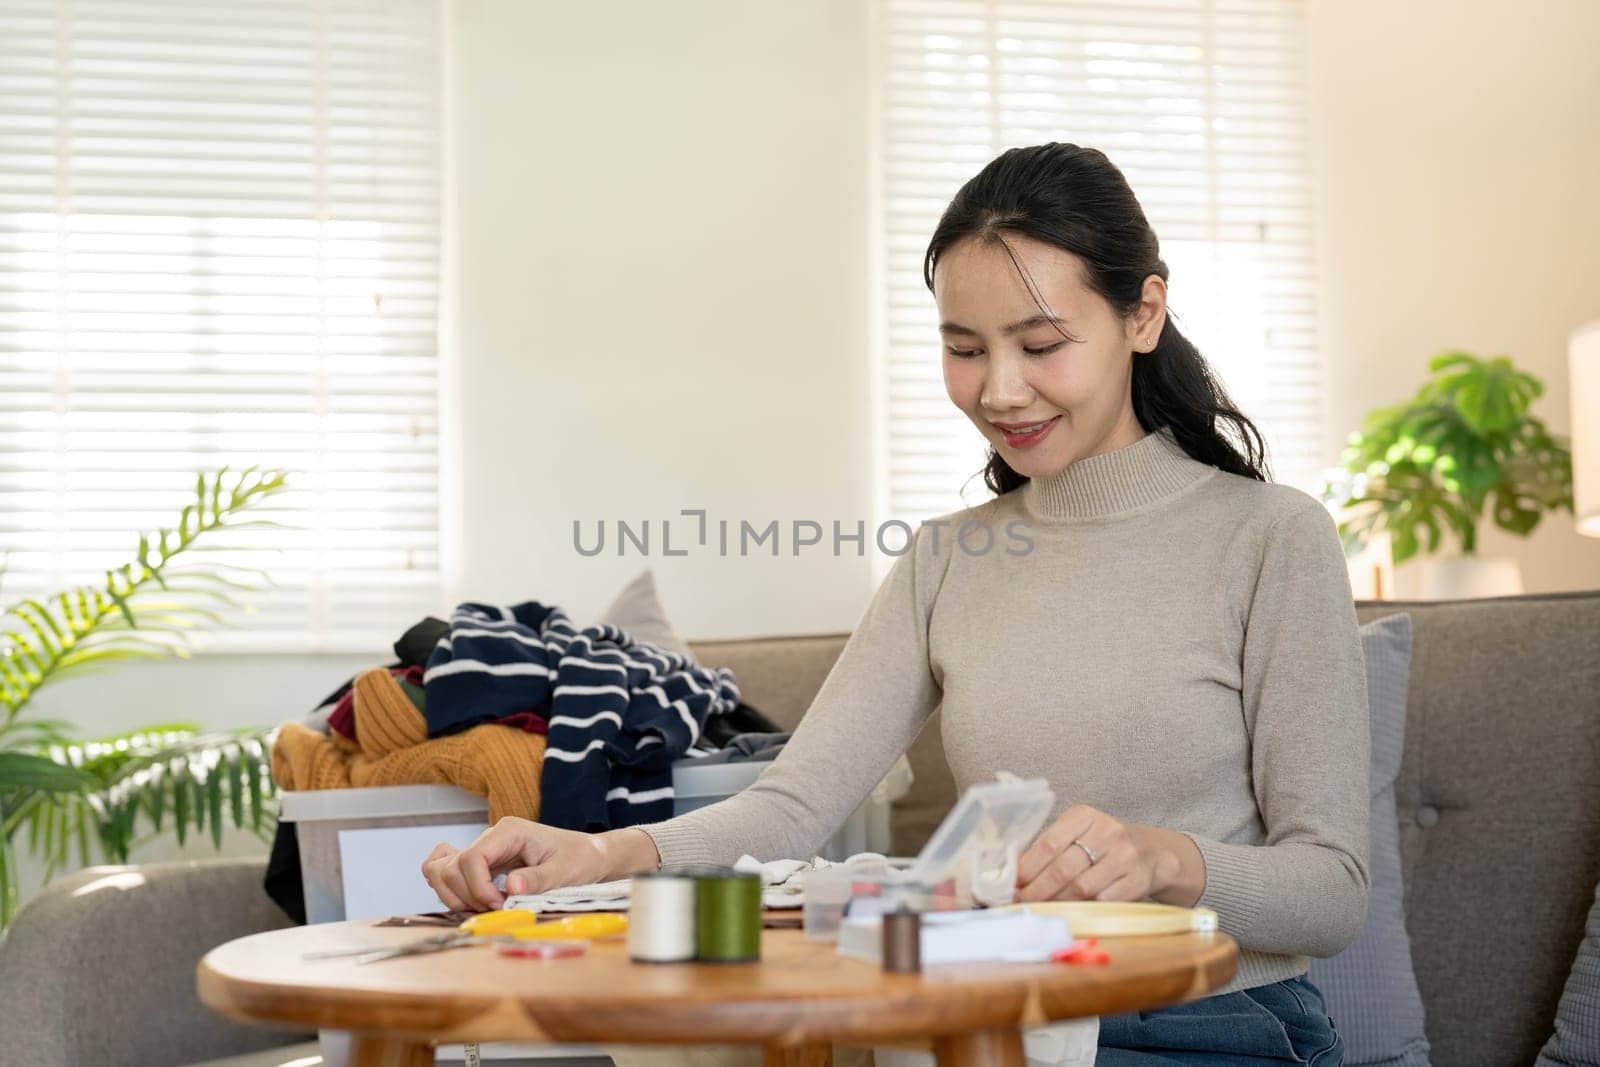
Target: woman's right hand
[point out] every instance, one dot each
(534, 858)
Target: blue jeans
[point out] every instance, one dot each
(1285, 1022)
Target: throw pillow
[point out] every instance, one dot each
(1370, 987)
(637, 609)
(1576, 1042)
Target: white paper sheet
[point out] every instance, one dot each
(382, 868)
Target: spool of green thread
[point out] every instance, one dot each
(727, 915)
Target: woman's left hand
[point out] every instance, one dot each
(1089, 855)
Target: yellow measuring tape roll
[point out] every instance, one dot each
(493, 923)
(575, 927)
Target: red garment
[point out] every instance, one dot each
(342, 719)
(527, 721)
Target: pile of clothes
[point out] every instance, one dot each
(575, 728)
(379, 735)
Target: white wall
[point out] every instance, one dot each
(660, 268)
(219, 692)
(1459, 166)
(661, 214)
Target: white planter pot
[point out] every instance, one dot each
(1465, 579)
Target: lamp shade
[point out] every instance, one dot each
(1584, 363)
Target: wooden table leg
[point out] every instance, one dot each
(797, 1055)
(373, 1050)
(981, 1048)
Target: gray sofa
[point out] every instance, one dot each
(1498, 796)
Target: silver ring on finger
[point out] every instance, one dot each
(1087, 851)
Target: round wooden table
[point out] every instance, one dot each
(795, 1002)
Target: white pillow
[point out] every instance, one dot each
(637, 609)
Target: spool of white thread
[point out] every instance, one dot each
(661, 917)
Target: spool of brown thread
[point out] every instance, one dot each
(902, 941)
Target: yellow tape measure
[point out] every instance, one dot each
(524, 925)
(574, 927)
(496, 923)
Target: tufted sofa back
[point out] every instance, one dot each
(1498, 799)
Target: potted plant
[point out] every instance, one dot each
(61, 794)
(1429, 467)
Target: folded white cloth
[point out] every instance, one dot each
(782, 886)
(783, 882)
(599, 896)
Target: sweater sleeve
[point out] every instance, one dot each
(867, 712)
(1303, 891)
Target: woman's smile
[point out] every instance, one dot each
(1026, 434)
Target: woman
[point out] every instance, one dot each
(1175, 649)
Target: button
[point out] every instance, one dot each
(1427, 817)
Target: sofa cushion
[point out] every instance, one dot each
(1499, 819)
(637, 609)
(779, 675)
(1370, 987)
(1576, 1042)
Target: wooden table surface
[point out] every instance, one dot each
(799, 998)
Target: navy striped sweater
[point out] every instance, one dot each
(620, 711)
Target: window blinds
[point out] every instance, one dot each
(1201, 104)
(219, 244)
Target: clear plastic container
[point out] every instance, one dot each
(864, 884)
(977, 844)
(971, 859)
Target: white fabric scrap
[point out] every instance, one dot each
(782, 886)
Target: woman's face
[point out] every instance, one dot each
(1011, 367)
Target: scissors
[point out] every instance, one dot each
(508, 926)
(496, 925)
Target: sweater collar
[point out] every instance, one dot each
(1153, 467)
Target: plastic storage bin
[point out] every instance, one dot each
(332, 823)
(385, 829)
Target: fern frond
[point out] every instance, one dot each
(26, 770)
(206, 781)
(25, 732)
(67, 798)
(38, 645)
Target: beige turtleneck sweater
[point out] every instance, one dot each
(1179, 648)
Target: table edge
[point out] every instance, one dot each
(484, 1017)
